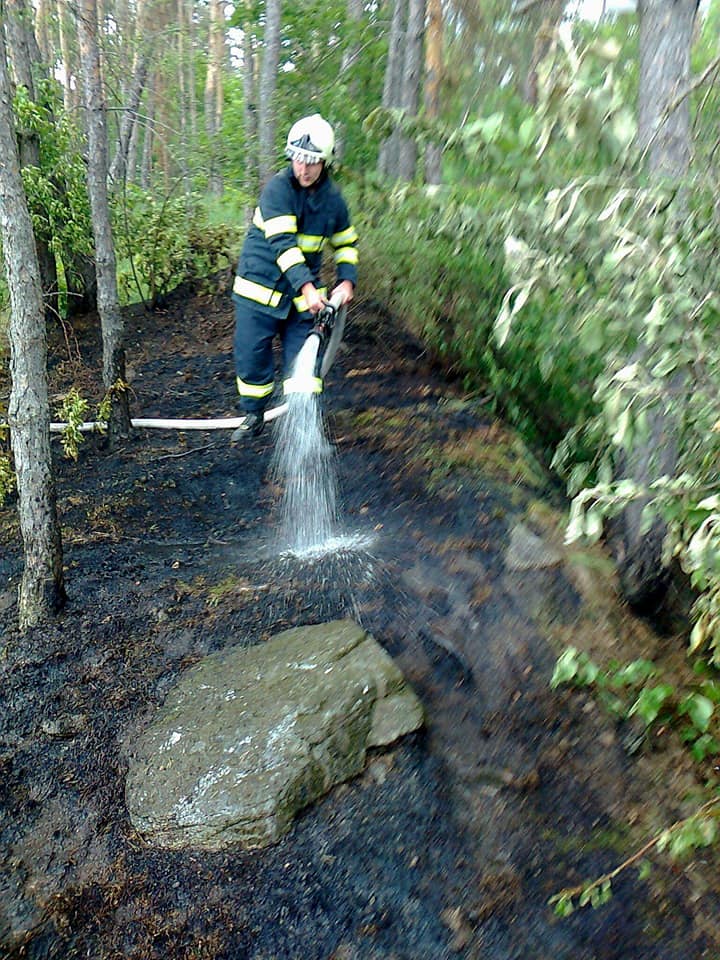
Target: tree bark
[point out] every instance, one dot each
(108, 304)
(411, 83)
(42, 28)
(42, 589)
(28, 69)
(250, 101)
(267, 120)
(433, 79)
(392, 87)
(664, 132)
(666, 31)
(138, 78)
(214, 96)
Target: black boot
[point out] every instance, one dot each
(252, 426)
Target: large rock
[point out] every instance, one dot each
(251, 735)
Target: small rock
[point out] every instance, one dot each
(64, 728)
(527, 551)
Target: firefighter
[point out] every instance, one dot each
(277, 287)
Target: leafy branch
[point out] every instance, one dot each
(699, 829)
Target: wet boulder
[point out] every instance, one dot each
(251, 735)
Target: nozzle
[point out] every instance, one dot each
(324, 323)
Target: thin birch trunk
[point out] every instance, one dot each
(392, 87)
(42, 589)
(433, 79)
(250, 114)
(108, 304)
(69, 97)
(28, 69)
(267, 117)
(214, 96)
(135, 88)
(411, 82)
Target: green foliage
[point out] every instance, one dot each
(73, 411)
(635, 278)
(57, 189)
(622, 273)
(635, 690)
(679, 839)
(163, 243)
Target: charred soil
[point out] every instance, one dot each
(451, 842)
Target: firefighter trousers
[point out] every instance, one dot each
(255, 332)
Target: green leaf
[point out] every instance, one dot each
(700, 710)
(562, 905)
(637, 671)
(566, 668)
(705, 746)
(526, 132)
(650, 702)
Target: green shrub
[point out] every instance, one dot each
(163, 243)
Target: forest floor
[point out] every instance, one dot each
(452, 841)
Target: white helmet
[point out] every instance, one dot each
(310, 140)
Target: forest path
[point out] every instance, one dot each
(450, 843)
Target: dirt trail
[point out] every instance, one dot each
(451, 843)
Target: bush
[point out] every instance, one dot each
(163, 243)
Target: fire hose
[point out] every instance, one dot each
(328, 327)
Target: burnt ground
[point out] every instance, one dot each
(452, 841)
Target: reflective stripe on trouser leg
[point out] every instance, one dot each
(254, 365)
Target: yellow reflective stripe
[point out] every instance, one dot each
(290, 258)
(258, 390)
(346, 255)
(299, 302)
(256, 291)
(344, 237)
(283, 224)
(309, 243)
(258, 219)
(303, 384)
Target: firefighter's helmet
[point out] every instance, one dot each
(311, 140)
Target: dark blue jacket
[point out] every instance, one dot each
(284, 245)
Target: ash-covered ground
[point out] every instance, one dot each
(451, 842)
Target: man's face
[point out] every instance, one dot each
(306, 174)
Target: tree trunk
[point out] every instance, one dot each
(666, 31)
(350, 60)
(42, 589)
(146, 162)
(69, 96)
(267, 120)
(392, 87)
(135, 88)
(28, 69)
(433, 78)
(185, 57)
(250, 100)
(411, 82)
(43, 14)
(214, 96)
(108, 305)
(546, 18)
